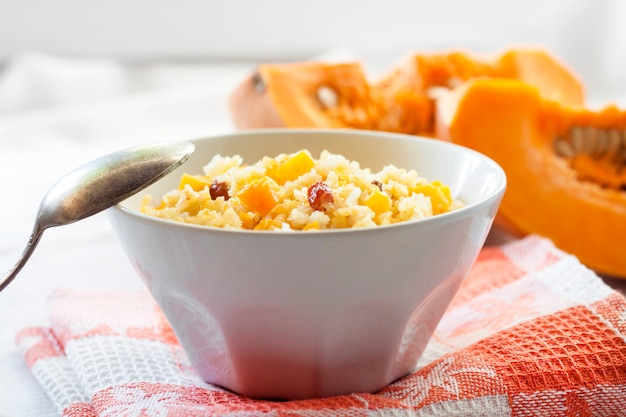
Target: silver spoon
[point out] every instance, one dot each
(100, 184)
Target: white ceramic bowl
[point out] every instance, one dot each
(300, 315)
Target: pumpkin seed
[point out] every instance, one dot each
(327, 97)
(602, 143)
(590, 141)
(576, 134)
(614, 141)
(607, 146)
(594, 142)
(563, 148)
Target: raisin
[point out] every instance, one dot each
(378, 184)
(319, 194)
(219, 189)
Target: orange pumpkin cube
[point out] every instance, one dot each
(440, 197)
(196, 182)
(292, 168)
(261, 195)
(378, 201)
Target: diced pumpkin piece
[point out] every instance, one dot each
(261, 195)
(378, 201)
(440, 197)
(298, 164)
(444, 189)
(312, 226)
(196, 182)
(248, 219)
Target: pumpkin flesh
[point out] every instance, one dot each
(549, 192)
(319, 94)
(434, 75)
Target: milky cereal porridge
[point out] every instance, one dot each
(298, 191)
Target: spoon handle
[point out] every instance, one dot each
(32, 244)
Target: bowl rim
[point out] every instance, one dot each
(464, 211)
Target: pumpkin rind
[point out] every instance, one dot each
(511, 122)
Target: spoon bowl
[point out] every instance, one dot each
(101, 184)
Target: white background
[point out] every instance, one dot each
(588, 34)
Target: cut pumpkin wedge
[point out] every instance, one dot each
(565, 165)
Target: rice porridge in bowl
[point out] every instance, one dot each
(297, 263)
(298, 192)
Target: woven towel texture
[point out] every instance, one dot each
(531, 332)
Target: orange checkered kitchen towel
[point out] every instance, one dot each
(531, 333)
